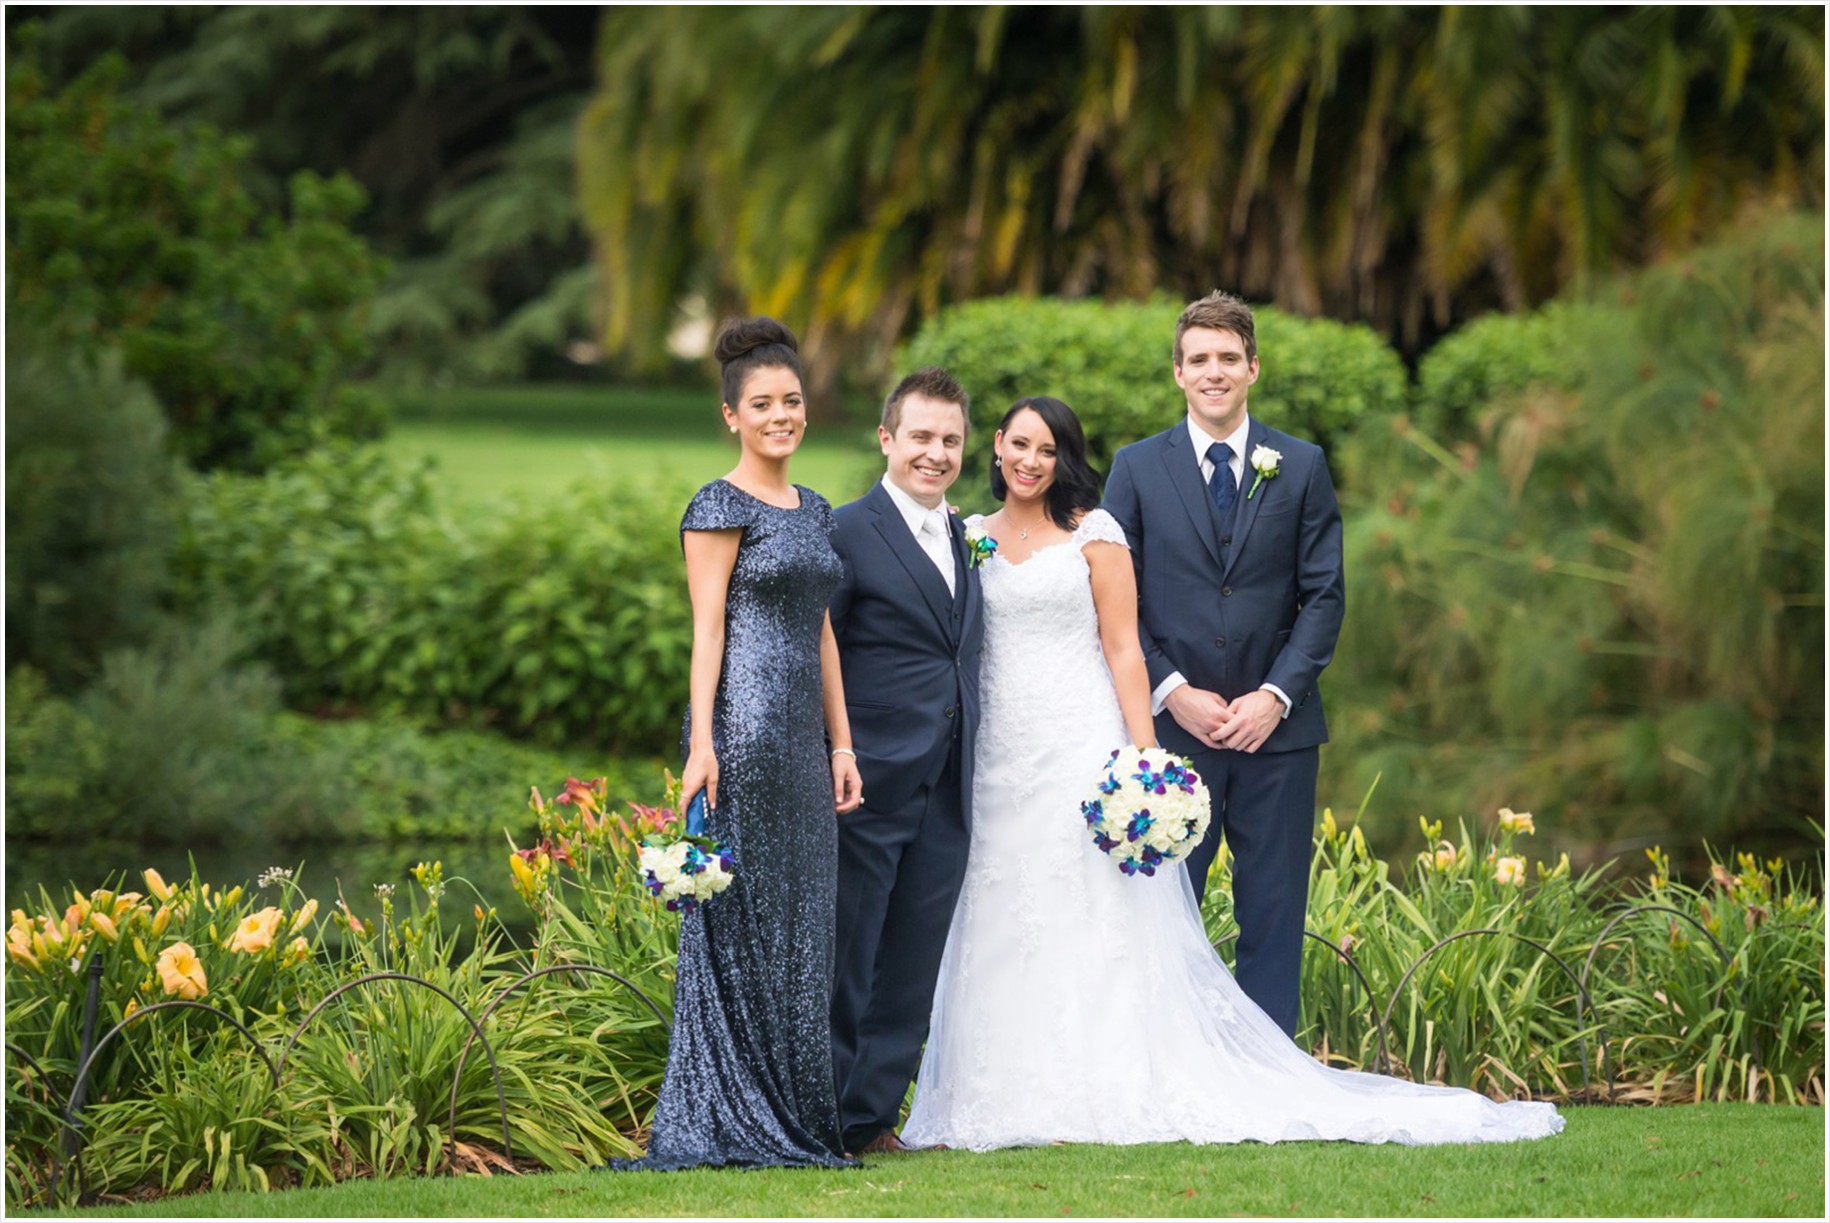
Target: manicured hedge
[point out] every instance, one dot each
(1499, 355)
(1111, 362)
(565, 619)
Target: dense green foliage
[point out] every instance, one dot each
(1613, 600)
(1112, 365)
(1407, 167)
(1718, 996)
(564, 619)
(180, 1102)
(173, 745)
(457, 121)
(1496, 357)
(122, 232)
(89, 507)
(1720, 1160)
(366, 1091)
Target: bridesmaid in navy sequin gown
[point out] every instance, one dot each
(749, 1072)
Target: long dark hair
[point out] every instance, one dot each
(745, 345)
(1076, 486)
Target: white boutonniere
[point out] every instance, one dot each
(1264, 462)
(979, 545)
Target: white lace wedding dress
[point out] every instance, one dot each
(1076, 1004)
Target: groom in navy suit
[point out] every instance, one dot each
(1236, 538)
(907, 617)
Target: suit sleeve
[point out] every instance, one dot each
(1121, 502)
(1321, 587)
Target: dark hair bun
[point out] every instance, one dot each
(739, 337)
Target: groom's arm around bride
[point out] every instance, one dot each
(1236, 539)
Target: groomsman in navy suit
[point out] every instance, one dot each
(907, 616)
(1236, 538)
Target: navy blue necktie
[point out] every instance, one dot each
(1222, 488)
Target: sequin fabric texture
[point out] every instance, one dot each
(749, 1070)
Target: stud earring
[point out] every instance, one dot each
(997, 460)
(732, 428)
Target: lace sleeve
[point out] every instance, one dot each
(719, 506)
(1099, 527)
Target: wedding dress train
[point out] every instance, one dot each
(1077, 1004)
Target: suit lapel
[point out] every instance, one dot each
(965, 582)
(1248, 509)
(1184, 469)
(902, 545)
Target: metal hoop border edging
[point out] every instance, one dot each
(31, 1061)
(1727, 964)
(44, 1078)
(517, 983)
(1372, 999)
(1582, 992)
(476, 1032)
(74, 1131)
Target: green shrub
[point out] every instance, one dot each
(53, 753)
(89, 507)
(1612, 597)
(1112, 364)
(565, 619)
(124, 232)
(178, 747)
(398, 781)
(1480, 364)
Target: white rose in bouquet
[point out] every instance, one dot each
(1148, 807)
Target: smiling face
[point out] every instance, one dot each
(771, 414)
(1026, 448)
(924, 452)
(1215, 374)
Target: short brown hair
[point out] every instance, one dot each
(1223, 312)
(930, 381)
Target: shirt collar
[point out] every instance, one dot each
(913, 512)
(1201, 439)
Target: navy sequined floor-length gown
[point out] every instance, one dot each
(749, 1070)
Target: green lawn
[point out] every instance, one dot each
(493, 441)
(1721, 1159)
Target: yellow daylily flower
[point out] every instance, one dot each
(155, 883)
(181, 972)
(255, 932)
(303, 917)
(104, 925)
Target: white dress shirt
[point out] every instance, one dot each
(929, 527)
(1200, 440)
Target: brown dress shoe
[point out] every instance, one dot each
(885, 1143)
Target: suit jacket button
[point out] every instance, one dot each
(1220, 643)
(1226, 541)
(950, 710)
(1225, 591)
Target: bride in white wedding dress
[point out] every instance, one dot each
(1077, 1004)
